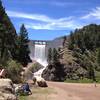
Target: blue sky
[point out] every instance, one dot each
(48, 19)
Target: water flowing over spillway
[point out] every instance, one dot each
(40, 56)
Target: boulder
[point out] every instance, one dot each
(40, 81)
(7, 90)
(30, 69)
(34, 80)
(54, 72)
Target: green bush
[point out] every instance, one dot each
(31, 69)
(13, 71)
(97, 75)
(35, 67)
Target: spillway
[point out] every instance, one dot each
(40, 57)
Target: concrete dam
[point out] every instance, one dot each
(39, 49)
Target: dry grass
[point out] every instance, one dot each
(40, 94)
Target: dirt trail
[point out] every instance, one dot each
(66, 91)
(75, 91)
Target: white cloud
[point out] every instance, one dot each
(29, 16)
(45, 22)
(54, 26)
(61, 24)
(37, 17)
(95, 14)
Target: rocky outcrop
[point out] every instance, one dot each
(61, 72)
(54, 72)
(30, 69)
(7, 90)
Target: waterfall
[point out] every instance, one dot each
(40, 56)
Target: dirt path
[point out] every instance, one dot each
(72, 91)
(65, 91)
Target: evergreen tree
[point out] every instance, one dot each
(64, 41)
(86, 38)
(98, 56)
(49, 58)
(72, 41)
(2, 11)
(7, 36)
(55, 56)
(23, 49)
(92, 73)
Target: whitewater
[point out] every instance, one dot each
(40, 57)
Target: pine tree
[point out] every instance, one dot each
(2, 11)
(64, 41)
(92, 73)
(72, 41)
(7, 36)
(55, 56)
(49, 58)
(98, 56)
(23, 49)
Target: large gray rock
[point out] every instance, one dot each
(30, 69)
(7, 90)
(54, 72)
(40, 81)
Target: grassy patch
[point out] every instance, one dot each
(39, 94)
(22, 98)
(97, 74)
(42, 90)
(85, 80)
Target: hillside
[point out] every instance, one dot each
(56, 43)
(14, 51)
(84, 47)
(80, 55)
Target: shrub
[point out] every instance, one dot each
(31, 69)
(35, 67)
(13, 71)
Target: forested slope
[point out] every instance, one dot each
(84, 45)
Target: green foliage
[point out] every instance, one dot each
(86, 38)
(85, 80)
(98, 56)
(71, 42)
(87, 61)
(31, 69)
(59, 72)
(55, 56)
(12, 46)
(97, 74)
(84, 44)
(49, 58)
(22, 53)
(13, 71)
(7, 36)
(55, 70)
(35, 67)
(22, 98)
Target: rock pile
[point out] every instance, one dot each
(7, 90)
